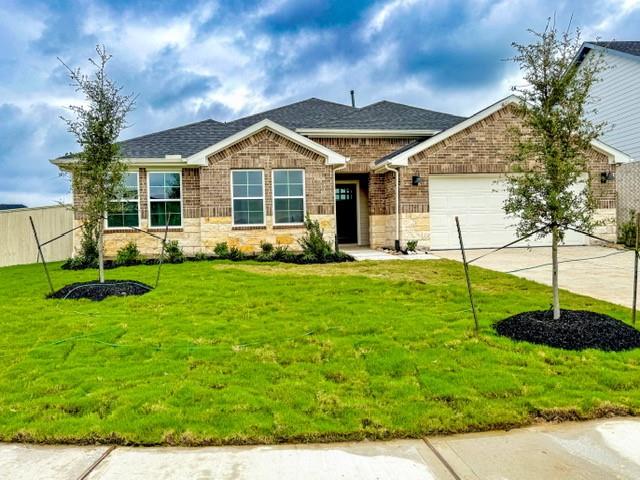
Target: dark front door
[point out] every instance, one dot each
(347, 213)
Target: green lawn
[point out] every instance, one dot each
(247, 352)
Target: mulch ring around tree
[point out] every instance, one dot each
(97, 291)
(575, 330)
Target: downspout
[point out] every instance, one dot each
(335, 209)
(397, 174)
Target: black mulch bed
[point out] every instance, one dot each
(576, 330)
(99, 291)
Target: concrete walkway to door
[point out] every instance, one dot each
(606, 275)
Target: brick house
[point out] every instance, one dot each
(380, 175)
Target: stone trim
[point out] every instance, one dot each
(249, 227)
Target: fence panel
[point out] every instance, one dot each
(17, 245)
(628, 186)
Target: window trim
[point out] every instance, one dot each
(273, 196)
(106, 218)
(149, 200)
(263, 198)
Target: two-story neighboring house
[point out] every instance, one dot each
(617, 94)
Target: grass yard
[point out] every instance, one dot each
(229, 352)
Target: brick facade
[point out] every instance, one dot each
(484, 147)
(206, 191)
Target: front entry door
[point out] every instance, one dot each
(347, 212)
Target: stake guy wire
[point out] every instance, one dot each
(466, 274)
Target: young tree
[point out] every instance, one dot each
(98, 170)
(545, 189)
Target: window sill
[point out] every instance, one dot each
(249, 227)
(107, 231)
(291, 226)
(162, 229)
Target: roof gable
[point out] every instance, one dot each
(401, 157)
(332, 158)
(627, 49)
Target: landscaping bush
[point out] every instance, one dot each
(314, 247)
(266, 248)
(129, 255)
(199, 257)
(173, 253)
(235, 254)
(627, 233)
(411, 245)
(79, 263)
(221, 250)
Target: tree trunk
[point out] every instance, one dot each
(554, 280)
(101, 250)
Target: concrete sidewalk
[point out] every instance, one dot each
(600, 449)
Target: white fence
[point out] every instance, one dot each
(17, 245)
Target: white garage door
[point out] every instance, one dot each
(477, 200)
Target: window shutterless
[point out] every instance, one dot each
(165, 199)
(288, 196)
(124, 212)
(247, 192)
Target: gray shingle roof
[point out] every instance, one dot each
(305, 114)
(312, 113)
(630, 47)
(185, 140)
(392, 116)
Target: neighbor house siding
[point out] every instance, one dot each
(616, 97)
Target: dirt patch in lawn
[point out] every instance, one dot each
(99, 291)
(575, 330)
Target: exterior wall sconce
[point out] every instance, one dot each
(416, 180)
(607, 177)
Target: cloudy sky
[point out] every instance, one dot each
(223, 59)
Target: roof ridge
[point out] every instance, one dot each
(264, 112)
(173, 128)
(416, 107)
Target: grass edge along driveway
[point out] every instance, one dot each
(235, 353)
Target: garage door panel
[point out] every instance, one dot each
(478, 202)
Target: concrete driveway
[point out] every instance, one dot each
(590, 450)
(607, 275)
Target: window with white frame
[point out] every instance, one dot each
(123, 212)
(165, 199)
(288, 196)
(247, 188)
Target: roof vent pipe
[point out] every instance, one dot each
(353, 98)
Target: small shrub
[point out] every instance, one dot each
(313, 244)
(173, 253)
(281, 253)
(266, 247)
(235, 254)
(129, 255)
(200, 257)
(627, 233)
(79, 263)
(411, 245)
(221, 250)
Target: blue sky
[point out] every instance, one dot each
(191, 60)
